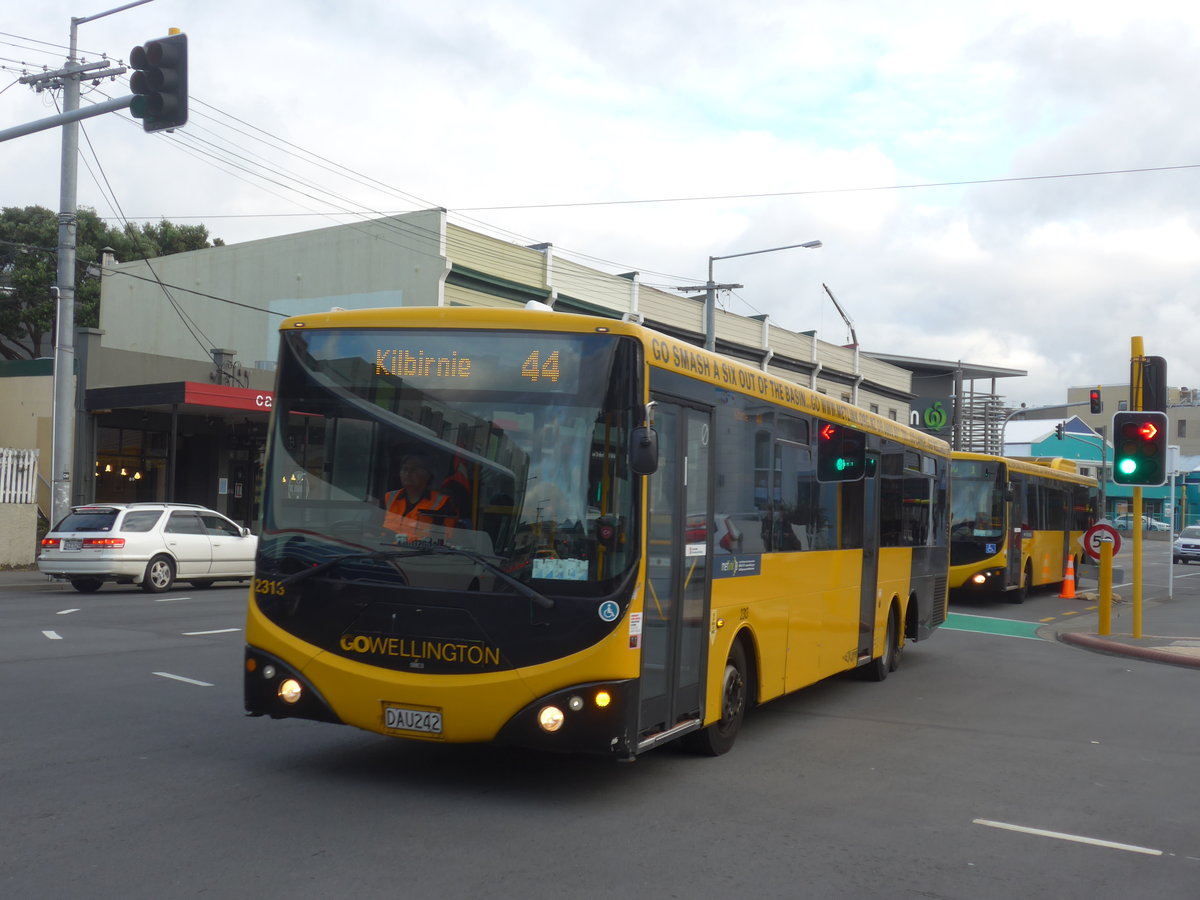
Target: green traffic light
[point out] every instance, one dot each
(1127, 466)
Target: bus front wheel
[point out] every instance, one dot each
(718, 737)
(1019, 595)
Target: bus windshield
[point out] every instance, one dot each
(977, 500)
(452, 461)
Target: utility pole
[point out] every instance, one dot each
(63, 446)
(63, 440)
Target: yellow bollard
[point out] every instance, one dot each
(1106, 549)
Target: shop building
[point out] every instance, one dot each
(174, 388)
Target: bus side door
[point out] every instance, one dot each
(678, 571)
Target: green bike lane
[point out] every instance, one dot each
(989, 625)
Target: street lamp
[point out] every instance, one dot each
(711, 288)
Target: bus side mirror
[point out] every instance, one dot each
(643, 451)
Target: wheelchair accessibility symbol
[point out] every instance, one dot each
(609, 610)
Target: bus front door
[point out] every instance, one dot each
(678, 574)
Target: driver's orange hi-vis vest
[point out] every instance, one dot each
(414, 520)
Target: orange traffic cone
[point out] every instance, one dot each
(1068, 586)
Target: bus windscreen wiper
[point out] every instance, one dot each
(516, 584)
(433, 549)
(319, 568)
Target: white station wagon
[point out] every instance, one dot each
(149, 544)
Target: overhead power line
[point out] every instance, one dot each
(845, 190)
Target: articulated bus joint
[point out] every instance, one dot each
(596, 718)
(273, 688)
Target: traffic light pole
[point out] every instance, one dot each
(1136, 351)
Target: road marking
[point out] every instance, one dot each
(185, 680)
(987, 625)
(216, 631)
(169, 599)
(1077, 838)
(63, 612)
(53, 635)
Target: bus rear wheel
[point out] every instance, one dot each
(878, 668)
(718, 737)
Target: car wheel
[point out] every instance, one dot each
(718, 737)
(86, 585)
(160, 575)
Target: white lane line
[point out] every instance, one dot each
(53, 635)
(216, 631)
(184, 680)
(169, 599)
(1079, 839)
(63, 612)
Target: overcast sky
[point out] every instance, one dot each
(944, 153)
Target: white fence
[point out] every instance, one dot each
(18, 475)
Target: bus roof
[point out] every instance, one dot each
(1056, 468)
(663, 351)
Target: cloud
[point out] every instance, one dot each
(810, 121)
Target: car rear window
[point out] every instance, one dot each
(89, 519)
(141, 519)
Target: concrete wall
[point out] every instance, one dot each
(26, 411)
(18, 534)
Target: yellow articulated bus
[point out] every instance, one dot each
(1014, 523)
(572, 533)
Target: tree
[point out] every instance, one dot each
(29, 269)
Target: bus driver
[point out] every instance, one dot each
(411, 511)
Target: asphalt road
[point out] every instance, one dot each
(988, 766)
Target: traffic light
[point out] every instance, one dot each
(841, 453)
(160, 83)
(1140, 448)
(1154, 382)
(1097, 405)
(1059, 430)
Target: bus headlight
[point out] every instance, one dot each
(603, 698)
(550, 718)
(289, 690)
(979, 578)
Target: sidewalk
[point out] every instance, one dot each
(29, 579)
(1170, 628)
